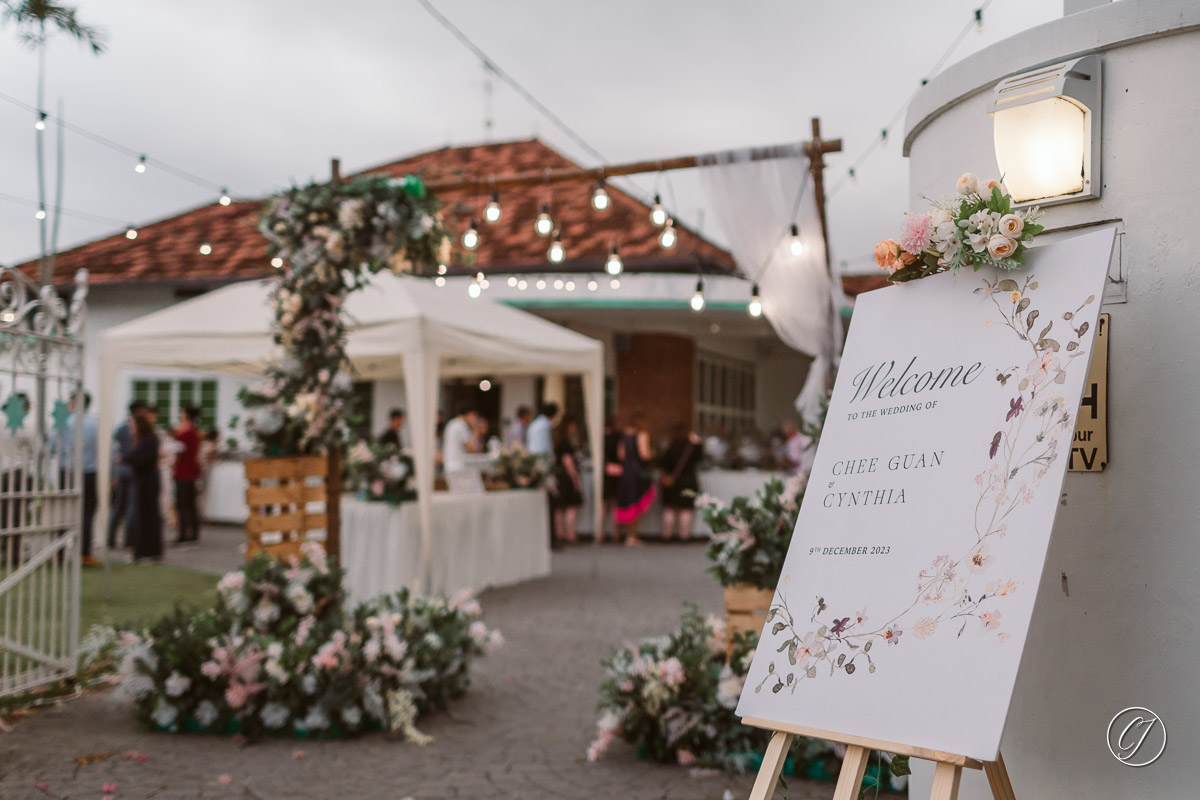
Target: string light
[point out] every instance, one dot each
(485, 385)
(131, 234)
(797, 245)
(593, 286)
(697, 301)
(600, 199)
(614, 265)
(442, 269)
(512, 281)
(41, 121)
(544, 224)
(140, 167)
(205, 249)
(225, 198)
(9, 315)
(439, 281)
(557, 253)
(474, 290)
(979, 20)
(522, 284)
(615, 283)
(570, 286)
(470, 237)
(485, 283)
(558, 283)
(669, 235)
(755, 307)
(541, 284)
(492, 212)
(658, 215)
(40, 213)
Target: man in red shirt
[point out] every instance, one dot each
(186, 472)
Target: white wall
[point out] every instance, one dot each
(1126, 538)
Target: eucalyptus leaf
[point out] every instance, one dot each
(1033, 315)
(1024, 304)
(1007, 285)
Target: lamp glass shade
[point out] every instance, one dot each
(1040, 148)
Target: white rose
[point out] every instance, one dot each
(1011, 225)
(968, 184)
(1000, 246)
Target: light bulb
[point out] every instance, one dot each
(40, 213)
(41, 122)
(755, 307)
(473, 290)
(541, 284)
(544, 224)
(470, 237)
(558, 283)
(600, 199)
(441, 270)
(669, 236)
(570, 286)
(557, 253)
(615, 283)
(479, 276)
(979, 20)
(140, 167)
(522, 284)
(614, 265)
(277, 262)
(485, 283)
(225, 198)
(658, 214)
(512, 281)
(131, 233)
(697, 302)
(492, 212)
(439, 281)
(593, 286)
(485, 385)
(797, 242)
(205, 249)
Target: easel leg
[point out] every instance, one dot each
(854, 766)
(997, 776)
(945, 782)
(772, 765)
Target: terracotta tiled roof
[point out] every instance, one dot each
(169, 250)
(854, 285)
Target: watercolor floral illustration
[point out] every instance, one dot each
(957, 593)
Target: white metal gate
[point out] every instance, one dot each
(41, 480)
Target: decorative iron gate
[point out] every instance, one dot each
(41, 480)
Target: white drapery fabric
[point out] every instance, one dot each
(756, 203)
(400, 327)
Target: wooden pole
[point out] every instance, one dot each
(575, 174)
(816, 149)
(333, 461)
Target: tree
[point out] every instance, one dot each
(36, 20)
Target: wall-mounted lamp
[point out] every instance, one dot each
(1046, 126)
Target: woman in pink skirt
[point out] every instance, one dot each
(635, 493)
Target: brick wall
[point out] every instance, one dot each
(655, 375)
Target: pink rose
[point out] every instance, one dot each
(1000, 246)
(1011, 225)
(994, 185)
(210, 670)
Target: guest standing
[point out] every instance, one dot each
(145, 513)
(612, 474)
(396, 434)
(635, 492)
(679, 481)
(515, 436)
(541, 433)
(186, 473)
(566, 489)
(122, 488)
(66, 450)
(456, 439)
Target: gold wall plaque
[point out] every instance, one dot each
(1089, 447)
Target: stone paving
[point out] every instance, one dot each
(521, 732)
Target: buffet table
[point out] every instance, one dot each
(225, 492)
(479, 541)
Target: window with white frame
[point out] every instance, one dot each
(169, 395)
(725, 393)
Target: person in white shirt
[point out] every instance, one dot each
(456, 439)
(799, 450)
(540, 436)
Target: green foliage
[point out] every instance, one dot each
(751, 535)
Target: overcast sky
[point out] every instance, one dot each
(254, 95)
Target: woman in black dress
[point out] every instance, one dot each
(635, 492)
(566, 495)
(679, 482)
(145, 524)
(612, 474)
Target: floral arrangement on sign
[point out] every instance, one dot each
(751, 535)
(977, 227)
(957, 592)
(379, 472)
(328, 240)
(279, 654)
(674, 697)
(516, 466)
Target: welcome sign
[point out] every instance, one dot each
(907, 593)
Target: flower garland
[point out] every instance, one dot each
(975, 228)
(279, 654)
(328, 240)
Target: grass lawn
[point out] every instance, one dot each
(141, 593)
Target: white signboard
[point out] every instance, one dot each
(907, 593)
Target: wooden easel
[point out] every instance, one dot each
(946, 775)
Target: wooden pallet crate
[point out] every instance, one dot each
(289, 498)
(746, 609)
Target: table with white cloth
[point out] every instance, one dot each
(479, 541)
(723, 484)
(225, 492)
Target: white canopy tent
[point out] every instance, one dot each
(400, 327)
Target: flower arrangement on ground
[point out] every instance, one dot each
(279, 654)
(978, 226)
(517, 467)
(328, 240)
(751, 535)
(379, 472)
